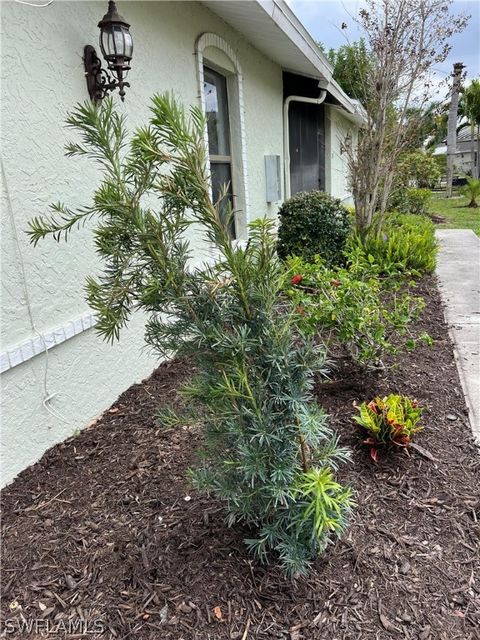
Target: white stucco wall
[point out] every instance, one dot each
(42, 78)
(337, 128)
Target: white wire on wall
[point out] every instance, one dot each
(47, 396)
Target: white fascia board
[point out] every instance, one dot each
(287, 21)
(283, 39)
(358, 118)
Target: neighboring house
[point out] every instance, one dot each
(258, 73)
(463, 156)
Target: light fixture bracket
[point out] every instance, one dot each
(99, 81)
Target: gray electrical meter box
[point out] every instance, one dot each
(272, 178)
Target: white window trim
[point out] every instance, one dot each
(213, 40)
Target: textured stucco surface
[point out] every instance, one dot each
(338, 128)
(42, 78)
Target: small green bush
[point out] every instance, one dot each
(405, 244)
(418, 169)
(411, 200)
(471, 190)
(313, 223)
(441, 162)
(350, 308)
(392, 420)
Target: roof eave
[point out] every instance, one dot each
(308, 60)
(287, 21)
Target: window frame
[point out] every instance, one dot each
(205, 46)
(219, 159)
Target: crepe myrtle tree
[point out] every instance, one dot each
(406, 39)
(267, 451)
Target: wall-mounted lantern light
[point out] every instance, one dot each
(117, 48)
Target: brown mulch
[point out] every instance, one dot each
(437, 219)
(105, 527)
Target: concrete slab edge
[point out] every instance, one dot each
(475, 429)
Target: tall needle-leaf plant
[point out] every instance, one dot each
(267, 451)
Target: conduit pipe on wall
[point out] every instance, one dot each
(286, 131)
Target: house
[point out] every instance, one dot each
(463, 155)
(278, 121)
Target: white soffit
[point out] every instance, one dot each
(272, 28)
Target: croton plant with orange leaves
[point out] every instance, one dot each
(390, 420)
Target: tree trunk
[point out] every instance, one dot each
(472, 150)
(477, 164)
(452, 125)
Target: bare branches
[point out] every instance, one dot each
(407, 38)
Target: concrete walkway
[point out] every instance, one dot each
(458, 270)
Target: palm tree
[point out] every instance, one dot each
(469, 108)
(452, 124)
(472, 190)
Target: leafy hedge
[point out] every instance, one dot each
(406, 243)
(313, 223)
(353, 308)
(411, 200)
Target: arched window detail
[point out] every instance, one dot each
(218, 72)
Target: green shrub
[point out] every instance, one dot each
(418, 169)
(390, 420)
(349, 308)
(417, 173)
(266, 451)
(405, 244)
(441, 162)
(471, 190)
(313, 224)
(411, 200)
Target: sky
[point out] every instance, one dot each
(323, 19)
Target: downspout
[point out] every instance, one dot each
(286, 131)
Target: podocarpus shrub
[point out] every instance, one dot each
(313, 223)
(405, 244)
(267, 451)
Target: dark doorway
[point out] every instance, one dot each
(307, 147)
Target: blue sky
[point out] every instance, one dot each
(323, 19)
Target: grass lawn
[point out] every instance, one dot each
(456, 213)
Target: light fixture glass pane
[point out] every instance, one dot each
(118, 41)
(128, 43)
(216, 105)
(106, 42)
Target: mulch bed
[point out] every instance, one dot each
(436, 219)
(105, 526)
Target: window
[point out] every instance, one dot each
(219, 74)
(219, 145)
